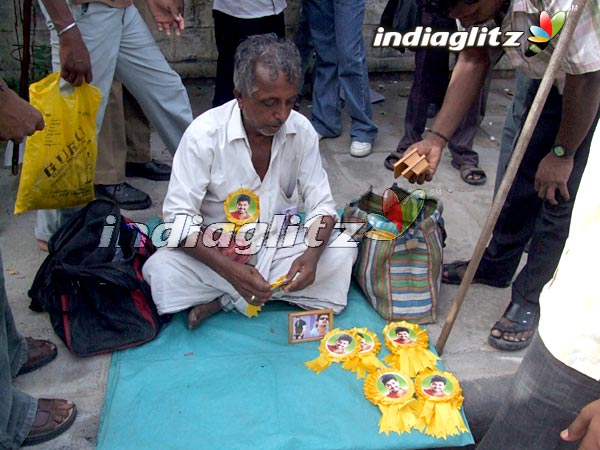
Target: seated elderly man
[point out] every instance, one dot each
(256, 145)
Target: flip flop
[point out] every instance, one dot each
(453, 277)
(524, 318)
(39, 353)
(392, 159)
(468, 170)
(46, 424)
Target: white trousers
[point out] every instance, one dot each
(179, 281)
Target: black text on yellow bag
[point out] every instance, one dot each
(60, 161)
(400, 277)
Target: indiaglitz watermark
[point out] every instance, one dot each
(456, 41)
(186, 231)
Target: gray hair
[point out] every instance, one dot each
(278, 55)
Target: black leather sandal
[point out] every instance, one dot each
(524, 317)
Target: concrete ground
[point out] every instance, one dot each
(484, 372)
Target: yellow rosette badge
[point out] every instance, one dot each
(409, 347)
(241, 207)
(365, 361)
(392, 393)
(439, 398)
(336, 346)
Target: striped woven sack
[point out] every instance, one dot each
(400, 277)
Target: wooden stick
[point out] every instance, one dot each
(526, 133)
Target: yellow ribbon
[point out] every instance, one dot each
(336, 346)
(411, 356)
(365, 361)
(438, 413)
(252, 310)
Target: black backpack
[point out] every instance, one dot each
(93, 288)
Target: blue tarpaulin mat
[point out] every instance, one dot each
(237, 384)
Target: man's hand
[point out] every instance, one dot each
(17, 117)
(75, 63)
(303, 271)
(249, 283)
(432, 147)
(167, 14)
(586, 426)
(552, 175)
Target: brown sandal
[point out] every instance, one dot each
(39, 353)
(53, 418)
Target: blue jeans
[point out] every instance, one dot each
(336, 33)
(17, 409)
(517, 113)
(545, 397)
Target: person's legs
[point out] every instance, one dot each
(461, 143)
(517, 113)
(229, 32)
(544, 399)
(137, 140)
(17, 409)
(352, 68)
(179, 281)
(112, 154)
(144, 71)
(547, 225)
(550, 234)
(516, 222)
(137, 132)
(430, 76)
(304, 44)
(326, 110)
(332, 280)
(110, 163)
(100, 27)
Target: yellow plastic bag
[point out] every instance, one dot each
(60, 161)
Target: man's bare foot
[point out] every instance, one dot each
(200, 312)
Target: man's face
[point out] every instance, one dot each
(267, 109)
(242, 207)
(438, 387)
(393, 385)
(475, 12)
(341, 344)
(403, 335)
(323, 321)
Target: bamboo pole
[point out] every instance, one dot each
(515, 161)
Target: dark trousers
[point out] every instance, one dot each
(229, 32)
(429, 86)
(524, 215)
(17, 409)
(544, 398)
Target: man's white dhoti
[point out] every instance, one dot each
(213, 160)
(180, 281)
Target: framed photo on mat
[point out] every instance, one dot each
(310, 325)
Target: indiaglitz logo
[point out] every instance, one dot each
(543, 34)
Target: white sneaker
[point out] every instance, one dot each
(360, 149)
